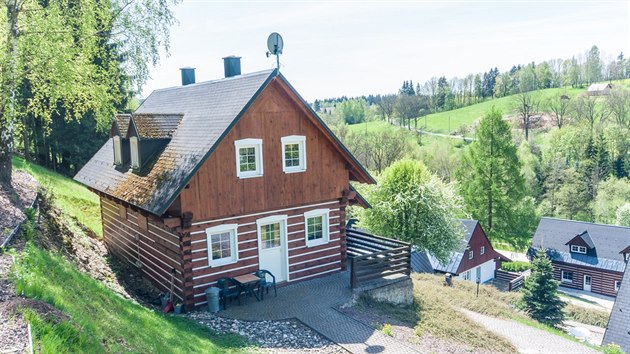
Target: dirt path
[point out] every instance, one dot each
(528, 339)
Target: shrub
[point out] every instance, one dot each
(516, 266)
(613, 348)
(387, 329)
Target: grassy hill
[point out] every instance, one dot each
(71, 197)
(71, 312)
(450, 121)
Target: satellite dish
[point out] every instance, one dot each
(275, 44)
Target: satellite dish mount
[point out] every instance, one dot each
(275, 44)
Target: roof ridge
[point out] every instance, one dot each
(213, 81)
(585, 222)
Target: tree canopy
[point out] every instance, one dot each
(411, 204)
(540, 293)
(492, 185)
(69, 56)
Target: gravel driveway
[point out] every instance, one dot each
(528, 339)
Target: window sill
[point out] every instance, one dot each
(221, 264)
(316, 243)
(566, 281)
(293, 171)
(248, 176)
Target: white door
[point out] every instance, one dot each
(478, 278)
(272, 242)
(587, 283)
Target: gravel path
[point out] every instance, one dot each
(13, 329)
(528, 339)
(287, 336)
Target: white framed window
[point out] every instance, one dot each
(135, 152)
(617, 285)
(222, 245)
(566, 277)
(578, 249)
(117, 150)
(293, 153)
(316, 227)
(626, 256)
(249, 158)
(466, 275)
(482, 250)
(471, 254)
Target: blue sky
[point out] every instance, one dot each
(335, 48)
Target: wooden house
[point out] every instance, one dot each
(585, 256)
(222, 178)
(474, 260)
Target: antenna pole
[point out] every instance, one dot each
(278, 61)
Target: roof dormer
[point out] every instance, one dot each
(119, 134)
(581, 243)
(626, 253)
(148, 135)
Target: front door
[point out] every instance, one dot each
(587, 283)
(478, 279)
(272, 241)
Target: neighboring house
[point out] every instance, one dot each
(599, 89)
(618, 328)
(585, 256)
(222, 178)
(473, 260)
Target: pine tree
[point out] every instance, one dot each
(540, 293)
(491, 183)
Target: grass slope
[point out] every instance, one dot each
(71, 197)
(99, 320)
(438, 306)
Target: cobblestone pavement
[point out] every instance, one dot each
(313, 303)
(528, 339)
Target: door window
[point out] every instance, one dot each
(270, 235)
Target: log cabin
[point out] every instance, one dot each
(473, 260)
(222, 178)
(585, 256)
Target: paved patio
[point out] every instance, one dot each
(589, 298)
(313, 303)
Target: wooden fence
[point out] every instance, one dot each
(373, 257)
(513, 280)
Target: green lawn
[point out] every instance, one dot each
(71, 197)
(100, 321)
(439, 122)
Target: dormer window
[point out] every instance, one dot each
(578, 249)
(117, 150)
(135, 152)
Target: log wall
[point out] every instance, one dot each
(602, 281)
(304, 262)
(145, 243)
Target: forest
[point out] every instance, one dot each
(558, 150)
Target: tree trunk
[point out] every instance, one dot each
(6, 120)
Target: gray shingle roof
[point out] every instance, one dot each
(155, 126)
(618, 329)
(456, 256)
(208, 108)
(608, 240)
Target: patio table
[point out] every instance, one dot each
(249, 282)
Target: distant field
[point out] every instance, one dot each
(439, 122)
(450, 121)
